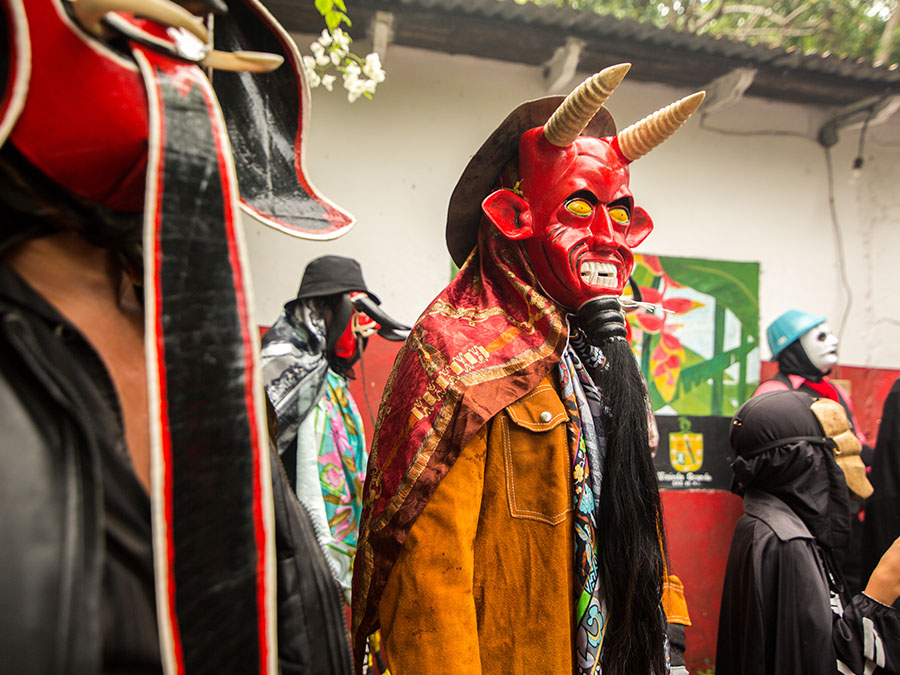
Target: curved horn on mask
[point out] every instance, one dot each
(242, 61)
(579, 107)
(90, 12)
(641, 137)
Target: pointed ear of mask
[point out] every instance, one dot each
(509, 213)
(640, 229)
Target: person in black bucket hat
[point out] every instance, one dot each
(785, 605)
(330, 275)
(307, 357)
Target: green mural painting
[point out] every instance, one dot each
(698, 347)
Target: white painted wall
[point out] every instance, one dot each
(394, 161)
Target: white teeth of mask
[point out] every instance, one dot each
(599, 274)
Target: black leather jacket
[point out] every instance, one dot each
(76, 590)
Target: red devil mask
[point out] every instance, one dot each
(576, 217)
(570, 205)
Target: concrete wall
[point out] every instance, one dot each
(394, 161)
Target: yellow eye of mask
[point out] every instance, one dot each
(580, 207)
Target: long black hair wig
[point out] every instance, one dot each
(631, 544)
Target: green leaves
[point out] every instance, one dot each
(734, 285)
(701, 372)
(334, 13)
(680, 378)
(851, 28)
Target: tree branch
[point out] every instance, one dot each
(887, 37)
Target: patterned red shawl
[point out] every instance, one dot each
(487, 340)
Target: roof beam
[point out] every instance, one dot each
(381, 30)
(560, 69)
(726, 90)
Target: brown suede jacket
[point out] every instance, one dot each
(484, 583)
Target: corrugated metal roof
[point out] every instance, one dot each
(528, 33)
(607, 25)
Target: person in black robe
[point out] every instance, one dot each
(785, 607)
(882, 524)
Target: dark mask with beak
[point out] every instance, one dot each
(366, 318)
(565, 200)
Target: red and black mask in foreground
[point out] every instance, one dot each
(84, 117)
(112, 127)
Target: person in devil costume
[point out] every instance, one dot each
(147, 523)
(785, 605)
(511, 515)
(307, 356)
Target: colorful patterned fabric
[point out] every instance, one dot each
(294, 366)
(331, 469)
(580, 365)
(487, 340)
(586, 437)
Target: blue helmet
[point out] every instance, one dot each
(788, 327)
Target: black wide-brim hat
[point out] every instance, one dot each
(480, 176)
(332, 274)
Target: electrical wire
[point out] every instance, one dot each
(761, 132)
(858, 161)
(839, 245)
(838, 239)
(361, 347)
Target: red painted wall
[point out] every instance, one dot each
(868, 387)
(377, 362)
(699, 525)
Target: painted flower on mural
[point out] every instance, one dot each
(669, 354)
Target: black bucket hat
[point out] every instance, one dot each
(332, 274)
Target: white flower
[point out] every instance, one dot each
(319, 52)
(372, 67)
(355, 87)
(352, 70)
(331, 50)
(341, 40)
